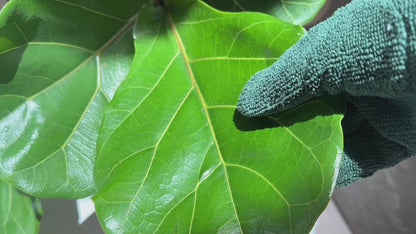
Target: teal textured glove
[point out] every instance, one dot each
(368, 50)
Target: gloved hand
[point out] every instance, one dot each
(368, 50)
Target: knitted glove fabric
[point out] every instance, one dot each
(368, 50)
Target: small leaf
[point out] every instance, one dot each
(298, 12)
(174, 156)
(17, 211)
(60, 63)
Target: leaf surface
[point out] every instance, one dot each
(298, 12)
(17, 214)
(60, 63)
(175, 156)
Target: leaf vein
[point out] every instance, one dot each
(50, 43)
(154, 156)
(288, 12)
(308, 148)
(270, 184)
(231, 58)
(124, 159)
(142, 101)
(171, 209)
(14, 48)
(91, 10)
(187, 195)
(222, 106)
(21, 31)
(242, 30)
(262, 177)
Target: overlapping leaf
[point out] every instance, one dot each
(173, 154)
(17, 211)
(60, 63)
(298, 12)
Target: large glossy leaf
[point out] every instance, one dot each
(298, 12)
(60, 63)
(173, 154)
(17, 211)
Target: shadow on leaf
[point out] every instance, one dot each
(13, 43)
(322, 106)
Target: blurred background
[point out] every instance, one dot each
(383, 203)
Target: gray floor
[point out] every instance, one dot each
(383, 203)
(61, 216)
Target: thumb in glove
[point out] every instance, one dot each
(366, 49)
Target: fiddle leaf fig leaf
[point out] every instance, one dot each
(175, 156)
(17, 211)
(60, 63)
(298, 12)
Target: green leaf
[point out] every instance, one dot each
(298, 12)
(60, 63)
(17, 213)
(174, 156)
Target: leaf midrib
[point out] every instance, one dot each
(204, 105)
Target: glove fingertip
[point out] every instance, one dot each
(259, 97)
